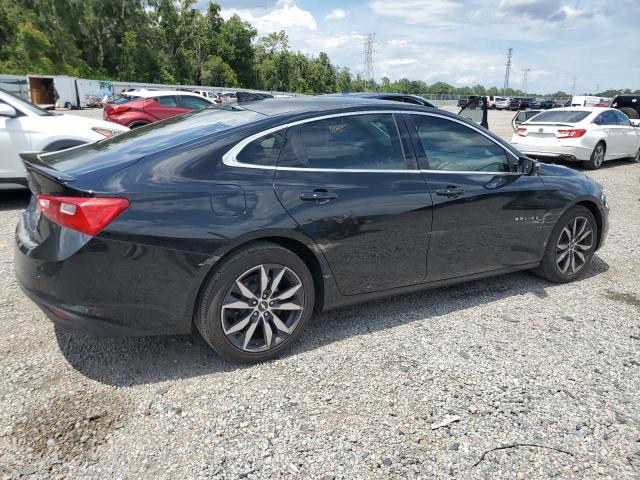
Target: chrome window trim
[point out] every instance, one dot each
(230, 158)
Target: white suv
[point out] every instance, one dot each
(25, 127)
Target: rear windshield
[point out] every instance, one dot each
(122, 100)
(148, 139)
(561, 117)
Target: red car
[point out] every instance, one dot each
(144, 107)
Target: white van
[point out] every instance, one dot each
(590, 101)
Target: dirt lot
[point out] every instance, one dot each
(510, 377)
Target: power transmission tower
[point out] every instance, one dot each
(507, 72)
(524, 80)
(368, 60)
(573, 87)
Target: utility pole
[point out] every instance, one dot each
(507, 72)
(368, 60)
(597, 89)
(573, 87)
(524, 80)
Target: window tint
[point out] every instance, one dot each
(367, 142)
(263, 150)
(193, 103)
(169, 101)
(454, 147)
(623, 120)
(563, 116)
(607, 118)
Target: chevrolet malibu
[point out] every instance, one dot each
(242, 221)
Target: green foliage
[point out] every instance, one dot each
(172, 41)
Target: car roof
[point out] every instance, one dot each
(161, 93)
(281, 106)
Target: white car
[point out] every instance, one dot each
(588, 134)
(502, 103)
(25, 127)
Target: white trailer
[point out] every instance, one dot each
(16, 84)
(91, 93)
(53, 91)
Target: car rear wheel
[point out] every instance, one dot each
(256, 304)
(636, 159)
(630, 112)
(597, 157)
(571, 246)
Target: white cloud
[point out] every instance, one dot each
(337, 14)
(393, 43)
(421, 12)
(288, 17)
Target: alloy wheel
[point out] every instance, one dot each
(574, 243)
(598, 155)
(262, 307)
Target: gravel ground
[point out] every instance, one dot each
(510, 377)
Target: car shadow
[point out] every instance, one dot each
(127, 361)
(11, 199)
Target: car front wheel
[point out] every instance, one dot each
(256, 304)
(571, 246)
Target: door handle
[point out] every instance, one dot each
(320, 196)
(450, 192)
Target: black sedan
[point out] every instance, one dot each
(242, 221)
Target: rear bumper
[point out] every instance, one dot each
(112, 288)
(553, 151)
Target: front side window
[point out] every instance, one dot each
(263, 151)
(452, 146)
(361, 142)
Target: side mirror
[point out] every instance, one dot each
(635, 122)
(7, 111)
(528, 166)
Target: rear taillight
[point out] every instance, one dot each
(88, 215)
(572, 133)
(121, 108)
(522, 131)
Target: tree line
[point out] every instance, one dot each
(168, 41)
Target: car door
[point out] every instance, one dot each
(164, 107)
(485, 215)
(613, 136)
(629, 134)
(346, 182)
(15, 137)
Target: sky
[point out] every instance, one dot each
(464, 42)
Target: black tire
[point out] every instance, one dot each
(597, 157)
(209, 316)
(68, 105)
(549, 268)
(636, 159)
(630, 112)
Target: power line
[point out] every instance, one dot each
(507, 72)
(368, 60)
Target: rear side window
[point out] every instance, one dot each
(361, 142)
(451, 146)
(194, 103)
(168, 101)
(263, 151)
(606, 118)
(623, 120)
